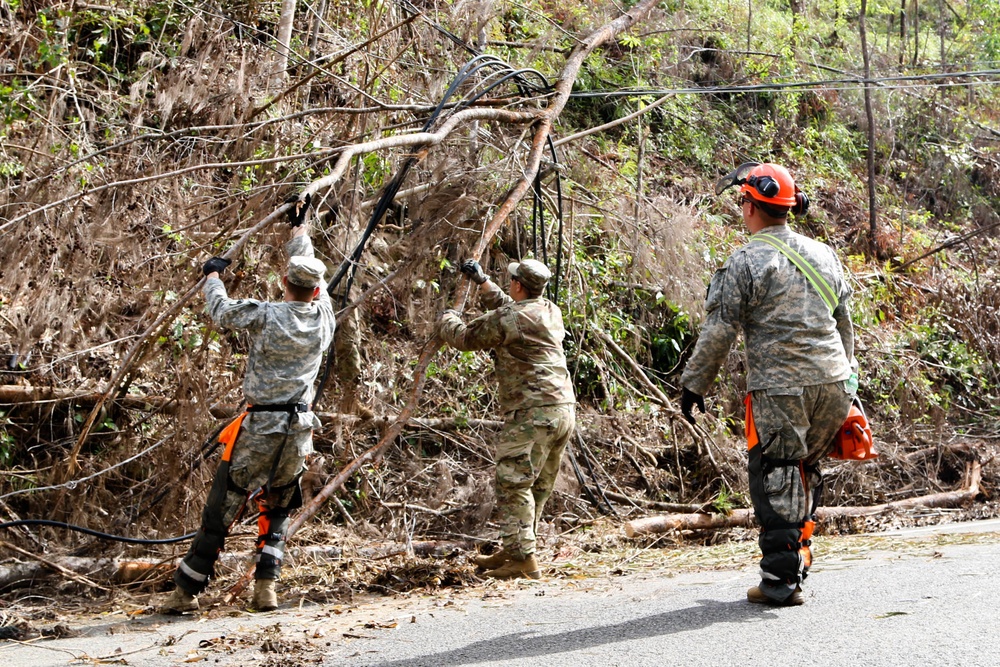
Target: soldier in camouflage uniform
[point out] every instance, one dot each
(536, 397)
(801, 371)
(266, 455)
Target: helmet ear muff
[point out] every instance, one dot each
(765, 185)
(801, 203)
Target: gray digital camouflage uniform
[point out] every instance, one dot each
(800, 356)
(536, 397)
(289, 339)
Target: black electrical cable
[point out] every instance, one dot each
(94, 533)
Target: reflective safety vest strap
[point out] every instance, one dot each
(229, 434)
(808, 270)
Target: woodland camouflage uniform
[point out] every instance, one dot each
(288, 341)
(536, 397)
(800, 358)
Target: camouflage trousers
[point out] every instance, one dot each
(233, 489)
(789, 430)
(527, 457)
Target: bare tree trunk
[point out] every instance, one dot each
(902, 33)
(916, 33)
(872, 213)
(284, 42)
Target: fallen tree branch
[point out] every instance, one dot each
(421, 140)
(745, 517)
(120, 571)
(53, 566)
(679, 508)
(637, 370)
(20, 395)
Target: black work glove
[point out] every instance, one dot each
(474, 270)
(689, 399)
(300, 207)
(216, 265)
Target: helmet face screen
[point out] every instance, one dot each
(737, 176)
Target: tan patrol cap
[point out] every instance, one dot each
(531, 273)
(306, 271)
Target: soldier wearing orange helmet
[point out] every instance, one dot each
(788, 295)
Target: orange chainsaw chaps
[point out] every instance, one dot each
(229, 434)
(752, 440)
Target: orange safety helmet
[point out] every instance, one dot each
(768, 183)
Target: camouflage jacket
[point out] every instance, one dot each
(289, 339)
(527, 336)
(792, 339)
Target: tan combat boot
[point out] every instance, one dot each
(265, 598)
(491, 562)
(179, 602)
(516, 567)
(757, 596)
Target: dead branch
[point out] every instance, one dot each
(422, 140)
(615, 123)
(678, 508)
(118, 571)
(637, 370)
(21, 395)
(745, 517)
(53, 566)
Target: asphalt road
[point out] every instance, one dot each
(919, 599)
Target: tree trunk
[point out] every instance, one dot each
(872, 212)
(283, 49)
(902, 33)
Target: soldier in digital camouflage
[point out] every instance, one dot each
(536, 397)
(788, 295)
(265, 447)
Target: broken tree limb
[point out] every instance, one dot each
(676, 508)
(637, 370)
(417, 140)
(667, 522)
(543, 127)
(745, 517)
(105, 572)
(19, 395)
(53, 566)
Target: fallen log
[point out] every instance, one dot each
(666, 522)
(121, 571)
(745, 517)
(12, 394)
